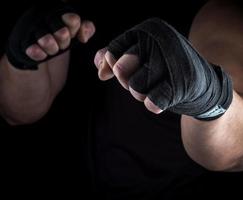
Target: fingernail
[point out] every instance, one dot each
(152, 107)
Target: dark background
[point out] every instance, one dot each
(46, 158)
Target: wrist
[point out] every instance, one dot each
(225, 91)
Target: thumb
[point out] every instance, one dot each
(102, 63)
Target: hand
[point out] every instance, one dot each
(44, 32)
(160, 67)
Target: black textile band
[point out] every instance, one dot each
(172, 73)
(35, 23)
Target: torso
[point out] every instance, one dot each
(137, 152)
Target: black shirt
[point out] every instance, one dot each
(125, 152)
(138, 154)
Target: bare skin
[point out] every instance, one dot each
(216, 145)
(25, 96)
(219, 144)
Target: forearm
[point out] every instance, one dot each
(187, 85)
(25, 96)
(28, 88)
(218, 144)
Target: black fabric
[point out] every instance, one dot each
(41, 19)
(139, 155)
(172, 74)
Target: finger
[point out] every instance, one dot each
(105, 72)
(151, 106)
(63, 38)
(161, 96)
(110, 59)
(99, 57)
(73, 22)
(36, 53)
(48, 44)
(124, 68)
(86, 31)
(139, 81)
(138, 96)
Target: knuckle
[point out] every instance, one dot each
(100, 54)
(47, 41)
(63, 34)
(119, 70)
(35, 53)
(75, 20)
(72, 19)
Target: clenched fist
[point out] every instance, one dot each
(161, 68)
(43, 32)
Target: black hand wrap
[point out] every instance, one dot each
(35, 23)
(172, 74)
